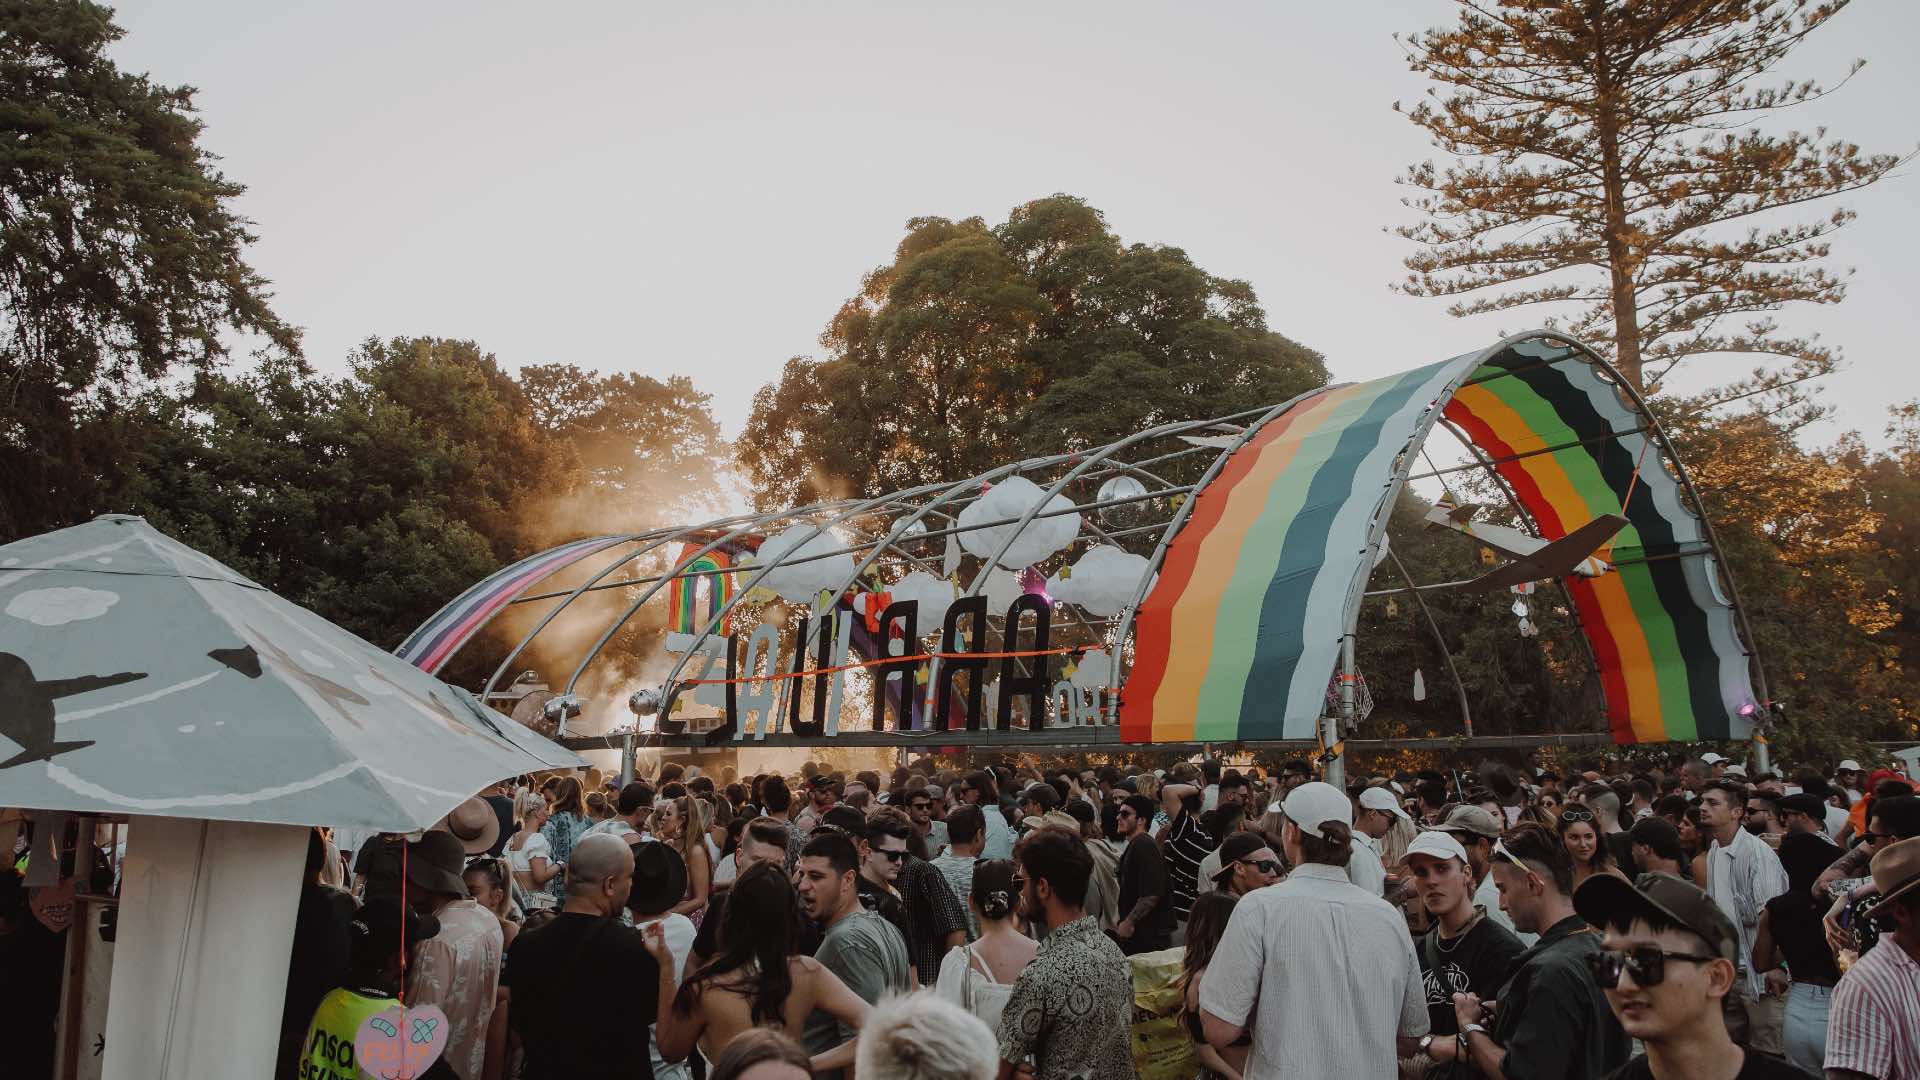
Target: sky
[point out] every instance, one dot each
(695, 188)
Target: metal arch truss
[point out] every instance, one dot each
(893, 534)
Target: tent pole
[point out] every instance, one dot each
(1337, 765)
(626, 758)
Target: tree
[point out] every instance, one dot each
(650, 446)
(981, 345)
(1610, 166)
(120, 256)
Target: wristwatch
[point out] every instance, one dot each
(1469, 1029)
(1426, 1044)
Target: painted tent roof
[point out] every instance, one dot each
(1259, 587)
(140, 676)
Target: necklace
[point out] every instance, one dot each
(1462, 935)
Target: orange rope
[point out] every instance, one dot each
(915, 658)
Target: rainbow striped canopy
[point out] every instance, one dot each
(1238, 639)
(437, 639)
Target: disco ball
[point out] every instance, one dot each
(1125, 515)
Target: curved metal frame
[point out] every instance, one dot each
(905, 509)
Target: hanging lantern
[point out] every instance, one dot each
(1419, 685)
(1488, 557)
(1520, 608)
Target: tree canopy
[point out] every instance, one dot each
(983, 344)
(120, 255)
(1612, 162)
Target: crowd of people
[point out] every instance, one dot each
(1101, 922)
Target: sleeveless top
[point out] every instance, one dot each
(965, 981)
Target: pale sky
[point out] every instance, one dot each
(695, 188)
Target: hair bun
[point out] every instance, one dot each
(999, 905)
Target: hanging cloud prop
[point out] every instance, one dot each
(801, 583)
(1011, 498)
(1102, 582)
(1095, 671)
(1001, 590)
(936, 595)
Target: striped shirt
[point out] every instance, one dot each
(1741, 878)
(1873, 1025)
(1323, 975)
(1187, 844)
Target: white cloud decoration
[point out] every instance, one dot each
(59, 606)
(1094, 671)
(802, 582)
(1012, 498)
(935, 595)
(1102, 582)
(1001, 590)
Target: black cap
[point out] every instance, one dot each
(1237, 846)
(376, 929)
(847, 820)
(1803, 803)
(820, 780)
(1604, 899)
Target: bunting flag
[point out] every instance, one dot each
(437, 639)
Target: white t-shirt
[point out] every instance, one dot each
(678, 933)
(1364, 867)
(1837, 820)
(535, 847)
(725, 871)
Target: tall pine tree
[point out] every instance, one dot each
(1610, 162)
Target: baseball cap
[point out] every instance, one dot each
(1604, 898)
(375, 929)
(1438, 844)
(1848, 765)
(1379, 798)
(1315, 803)
(1238, 845)
(1804, 803)
(1736, 770)
(1466, 818)
(1711, 758)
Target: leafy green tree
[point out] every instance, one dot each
(980, 345)
(1612, 163)
(120, 257)
(650, 445)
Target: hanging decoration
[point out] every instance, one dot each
(1419, 685)
(682, 594)
(1012, 498)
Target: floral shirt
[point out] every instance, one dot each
(458, 969)
(1072, 1007)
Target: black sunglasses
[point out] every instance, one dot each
(1646, 963)
(1265, 866)
(892, 856)
(920, 805)
(1870, 836)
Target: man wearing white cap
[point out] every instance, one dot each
(1378, 808)
(1717, 762)
(1465, 952)
(1323, 974)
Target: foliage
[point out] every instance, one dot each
(1611, 165)
(980, 345)
(120, 256)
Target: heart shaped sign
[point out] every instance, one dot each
(400, 1044)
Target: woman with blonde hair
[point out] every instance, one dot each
(530, 855)
(683, 824)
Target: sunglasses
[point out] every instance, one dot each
(922, 805)
(892, 856)
(1870, 836)
(1576, 815)
(1501, 850)
(1646, 963)
(1265, 866)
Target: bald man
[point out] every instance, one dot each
(564, 1033)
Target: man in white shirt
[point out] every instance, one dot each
(1378, 808)
(1323, 974)
(1743, 873)
(630, 823)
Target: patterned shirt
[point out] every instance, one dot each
(458, 969)
(1874, 1023)
(1072, 1008)
(1741, 877)
(933, 912)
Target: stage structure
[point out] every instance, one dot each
(1197, 582)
